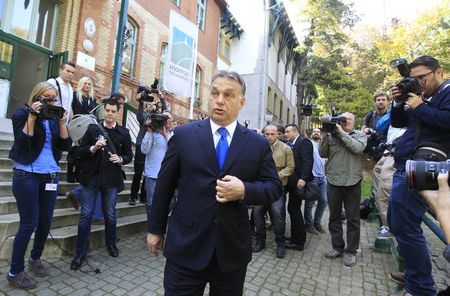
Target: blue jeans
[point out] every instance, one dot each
(35, 206)
(91, 193)
(98, 215)
(150, 189)
(278, 215)
(404, 215)
(321, 203)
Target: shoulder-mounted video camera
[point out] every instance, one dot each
(329, 122)
(408, 84)
(146, 93)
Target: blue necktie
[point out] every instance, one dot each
(222, 147)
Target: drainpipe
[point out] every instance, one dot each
(119, 45)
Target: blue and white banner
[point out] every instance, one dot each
(181, 55)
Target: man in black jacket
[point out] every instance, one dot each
(102, 151)
(427, 120)
(304, 160)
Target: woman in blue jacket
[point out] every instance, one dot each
(38, 145)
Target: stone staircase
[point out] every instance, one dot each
(130, 219)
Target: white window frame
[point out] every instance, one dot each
(132, 41)
(198, 78)
(201, 14)
(162, 62)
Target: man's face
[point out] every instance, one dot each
(290, 133)
(111, 114)
(350, 124)
(428, 79)
(281, 136)
(271, 134)
(381, 102)
(169, 122)
(316, 135)
(67, 73)
(226, 100)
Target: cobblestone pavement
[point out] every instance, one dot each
(136, 272)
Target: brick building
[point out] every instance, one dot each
(35, 36)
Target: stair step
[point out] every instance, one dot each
(8, 203)
(66, 237)
(63, 186)
(5, 162)
(64, 217)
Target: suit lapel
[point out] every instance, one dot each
(205, 138)
(238, 142)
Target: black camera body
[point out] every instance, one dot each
(48, 111)
(329, 122)
(146, 93)
(408, 84)
(157, 121)
(422, 174)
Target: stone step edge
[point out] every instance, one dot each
(10, 198)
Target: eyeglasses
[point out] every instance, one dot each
(422, 77)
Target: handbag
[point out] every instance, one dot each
(309, 192)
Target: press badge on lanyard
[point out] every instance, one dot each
(51, 186)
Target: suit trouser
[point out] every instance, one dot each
(182, 281)
(383, 173)
(350, 196)
(139, 160)
(298, 232)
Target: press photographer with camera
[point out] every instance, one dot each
(150, 101)
(422, 105)
(104, 148)
(40, 136)
(343, 146)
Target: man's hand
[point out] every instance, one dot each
(414, 101)
(114, 158)
(301, 183)
(439, 200)
(396, 94)
(229, 188)
(155, 242)
(98, 145)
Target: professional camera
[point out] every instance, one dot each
(48, 111)
(422, 174)
(157, 121)
(329, 122)
(146, 93)
(375, 147)
(408, 84)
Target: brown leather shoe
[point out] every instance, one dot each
(397, 276)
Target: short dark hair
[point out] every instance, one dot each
(231, 75)
(281, 128)
(117, 96)
(63, 65)
(381, 94)
(427, 61)
(293, 125)
(112, 102)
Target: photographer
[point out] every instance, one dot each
(427, 120)
(343, 146)
(147, 105)
(38, 144)
(154, 147)
(104, 148)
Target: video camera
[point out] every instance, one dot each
(146, 93)
(422, 174)
(157, 121)
(408, 84)
(49, 111)
(329, 122)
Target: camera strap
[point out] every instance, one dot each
(108, 139)
(59, 91)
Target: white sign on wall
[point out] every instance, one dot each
(86, 61)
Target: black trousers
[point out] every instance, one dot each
(182, 281)
(139, 160)
(298, 233)
(350, 196)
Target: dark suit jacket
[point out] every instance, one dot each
(304, 160)
(199, 225)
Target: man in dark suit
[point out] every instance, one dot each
(304, 160)
(218, 167)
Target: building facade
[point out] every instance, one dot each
(36, 36)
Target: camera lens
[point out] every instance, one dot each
(422, 174)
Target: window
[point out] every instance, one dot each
(33, 20)
(129, 54)
(176, 2)
(227, 50)
(162, 62)
(281, 110)
(198, 78)
(288, 115)
(224, 46)
(201, 10)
